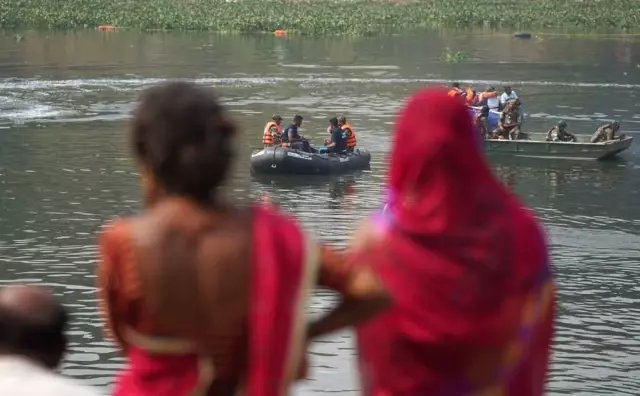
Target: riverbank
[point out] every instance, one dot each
(320, 17)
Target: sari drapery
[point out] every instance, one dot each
(466, 264)
(281, 278)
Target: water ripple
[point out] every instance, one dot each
(65, 171)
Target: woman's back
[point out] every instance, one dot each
(194, 270)
(204, 298)
(182, 280)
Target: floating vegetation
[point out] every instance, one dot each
(450, 56)
(326, 17)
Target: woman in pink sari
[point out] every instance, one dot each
(465, 263)
(205, 298)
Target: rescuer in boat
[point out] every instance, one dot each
(559, 133)
(470, 96)
(272, 134)
(291, 137)
(481, 121)
(338, 142)
(349, 133)
(456, 90)
(509, 122)
(291, 133)
(509, 94)
(607, 133)
(489, 98)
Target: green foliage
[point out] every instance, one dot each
(355, 17)
(450, 56)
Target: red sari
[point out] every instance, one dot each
(466, 264)
(281, 279)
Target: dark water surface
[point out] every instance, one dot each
(65, 168)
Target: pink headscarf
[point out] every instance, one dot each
(461, 258)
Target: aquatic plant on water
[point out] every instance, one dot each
(450, 56)
(319, 17)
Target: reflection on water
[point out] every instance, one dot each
(65, 167)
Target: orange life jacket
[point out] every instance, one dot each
(470, 96)
(487, 95)
(455, 92)
(351, 135)
(267, 139)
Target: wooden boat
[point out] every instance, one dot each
(557, 150)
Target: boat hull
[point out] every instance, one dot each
(557, 150)
(278, 160)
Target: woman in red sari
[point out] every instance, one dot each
(465, 264)
(205, 298)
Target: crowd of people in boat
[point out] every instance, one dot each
(488, 97)
(511, 117)
(449, 289)
(509, 122)
(342, 137)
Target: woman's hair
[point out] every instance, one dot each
(333, 121)
(182, 135)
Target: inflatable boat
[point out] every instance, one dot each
(273, 160)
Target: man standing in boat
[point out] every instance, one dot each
(509, 94)
(607, 133)
(490, 98)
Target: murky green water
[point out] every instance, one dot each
(65, 169)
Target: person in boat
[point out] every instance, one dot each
(481, 122)
(456, 90)
(471, 97)
(338, 141)
(490, 99)
(559, 133)
(272, 134)
(465, 263)
(507, 95)
(607, 133)
(292, 139)
(509, 122)
(198, 293)
(349, 133)
(290, 133)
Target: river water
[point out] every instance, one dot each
(65, 168)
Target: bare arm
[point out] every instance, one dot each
(363, 295)
(501, 120)
(109, 267)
